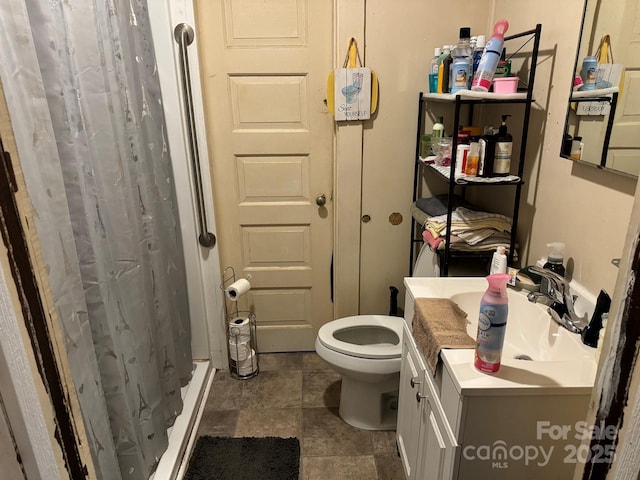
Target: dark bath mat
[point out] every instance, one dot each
(248, 458)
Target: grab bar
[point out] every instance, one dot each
(183, 35)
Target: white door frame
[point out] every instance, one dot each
(206, 303)
(347, 184)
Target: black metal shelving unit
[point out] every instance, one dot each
(472, 99)
(598, 96)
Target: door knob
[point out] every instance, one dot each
(420, 397)
(321, 200)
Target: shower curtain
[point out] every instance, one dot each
(85, 103)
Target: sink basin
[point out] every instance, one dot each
(530, 332)
(537, 354)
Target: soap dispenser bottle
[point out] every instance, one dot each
(492, 323)
(504, 147)
(555, 258)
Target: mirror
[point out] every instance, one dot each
(602, 126)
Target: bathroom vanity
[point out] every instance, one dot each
(526, 421)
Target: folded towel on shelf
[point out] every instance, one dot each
(439, 323)
(458, 244)
(437, 205)
(465, 220)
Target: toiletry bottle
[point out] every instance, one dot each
(589, 73)
(504, 147)
(555, 258)
(438, 130)
(433, 68)
(576, 148)
(492, 323)
(490, 56)
(433, 71)
(461, 62)
(499, 261)
(473, 159)
(446, 71)
(486, 152)
(477, 54)
(442, 86)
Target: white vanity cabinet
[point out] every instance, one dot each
(426, 443)
(459, 424)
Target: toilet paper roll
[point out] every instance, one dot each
(240, 350)
(240, 328)
(237, 289)
(249, 365)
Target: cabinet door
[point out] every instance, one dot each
(437, 445)
(408, 407)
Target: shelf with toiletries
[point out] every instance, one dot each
(458, 102)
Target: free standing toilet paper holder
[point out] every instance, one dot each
(240, 328)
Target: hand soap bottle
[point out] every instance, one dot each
(492, 323)
(555, 258)
(504, 147)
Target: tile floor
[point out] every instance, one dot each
(297, 395)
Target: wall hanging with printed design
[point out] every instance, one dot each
(352, 92)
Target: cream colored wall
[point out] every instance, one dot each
(400, 40)
(584, 207)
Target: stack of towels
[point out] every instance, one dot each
(471, 229)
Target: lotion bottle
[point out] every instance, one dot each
(504, 147)
(499, 261)
(492, 323)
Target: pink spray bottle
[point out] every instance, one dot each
(492, 324)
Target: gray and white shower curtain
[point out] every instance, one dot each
(84, 97)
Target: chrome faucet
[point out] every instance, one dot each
(555, 292)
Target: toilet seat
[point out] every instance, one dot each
(326, 336)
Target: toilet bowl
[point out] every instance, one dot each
(365, 350)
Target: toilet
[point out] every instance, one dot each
(365, 350)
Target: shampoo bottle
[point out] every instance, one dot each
(504, 147)
(492, 323)
(483, 77)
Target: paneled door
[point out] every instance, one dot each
(624, 150)
(265, 65)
